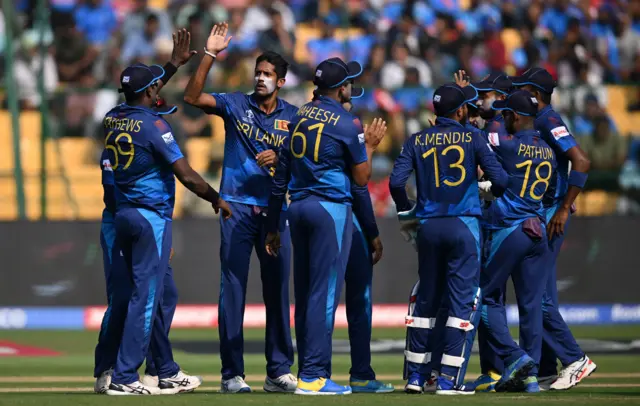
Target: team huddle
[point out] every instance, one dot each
(494, 195)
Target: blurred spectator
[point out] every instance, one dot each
(555, 19)
(605, 149)
(96, 20)
(258, 19)
(207, 11)
(74, 55)
(136, 21)
(244, 41)
(27, 68)
(605, 31)
(142, 47)
(583, 124)
(408, 31)
(393, 73)
(327, 46)
(277, 38)
(496, 51)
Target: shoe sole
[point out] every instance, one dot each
(314, 393)
(385, 390)
(413, 389)
(586, 375)
(110, 392)
(243, 390)
(276, 389)
(453, 393)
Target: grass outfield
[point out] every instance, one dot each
(66, 379)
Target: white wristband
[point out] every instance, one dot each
(211, 54)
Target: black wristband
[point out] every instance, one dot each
(169, 70)
(211, 195)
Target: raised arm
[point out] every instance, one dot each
(373, 134)
(195, 183)
(216, 43)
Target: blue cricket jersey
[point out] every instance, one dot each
(556, 133)
(445, 158)
(108, 188)
(530, 164)
(249, 131)
(141, 149)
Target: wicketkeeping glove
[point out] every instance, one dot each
(409, 226)
(485, 191)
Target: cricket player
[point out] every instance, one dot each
(328, 150)
(118, 286)
(515, 243)
(256, 128)
(445, 158)
(494, 87)
(144, 158)
(558, 342)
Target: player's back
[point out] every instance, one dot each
(325, 142)
(141, 149)
(445, 160)
(531, 164)
(555, 133)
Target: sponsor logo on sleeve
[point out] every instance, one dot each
(494, 139)
(168, 138)
(106, 165)
(361, 138)
(559, 132)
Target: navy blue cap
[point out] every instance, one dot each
(498, 82)
(537, 77)
(136, 78)
(333, 72)
(450, 97)
(520, 102)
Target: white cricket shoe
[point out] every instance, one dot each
(235, 385)
(103, 381)
(545, 382)
(574, 373)
(179, 383)
(283, 383)
(132, 389)
(431, 384)
(150, 380)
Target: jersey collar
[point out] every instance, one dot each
(254, 104)
(329, 100)
(524, 133)
(447, 121)
(170, 110)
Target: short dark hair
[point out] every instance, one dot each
(152, 18)
(545, 97)
(280, 65)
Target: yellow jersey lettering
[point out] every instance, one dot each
(334, 119)
(447, 138)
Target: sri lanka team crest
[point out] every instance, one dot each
(281, 125)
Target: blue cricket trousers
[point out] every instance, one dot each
(449, 269)
(321, 232)
(245, 230)
(510, 252)
(358, 281)
(119, 289)
(145, 240)
(557, 340)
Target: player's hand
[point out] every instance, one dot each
(557, 222)
(224, 206)
(181, 44)
(171, 255)
(461, 78)
(267, 158)
(375, 132)
(272, 244)
(218, 40)
(376, 243)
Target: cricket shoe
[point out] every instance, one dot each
(179, 383)
(235, 385)
(415, 384)
(320, 386)
(545, 381)
(370, 386)
(574, 373)
(487, 382)
(514, 375)
(132, 389)
(150, 380)
(447, 387)
(283, 383)
(531, 385)
(431, 385)
(103, 381)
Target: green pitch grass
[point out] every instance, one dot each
(67, 380)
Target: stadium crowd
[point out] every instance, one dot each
(407, 47)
